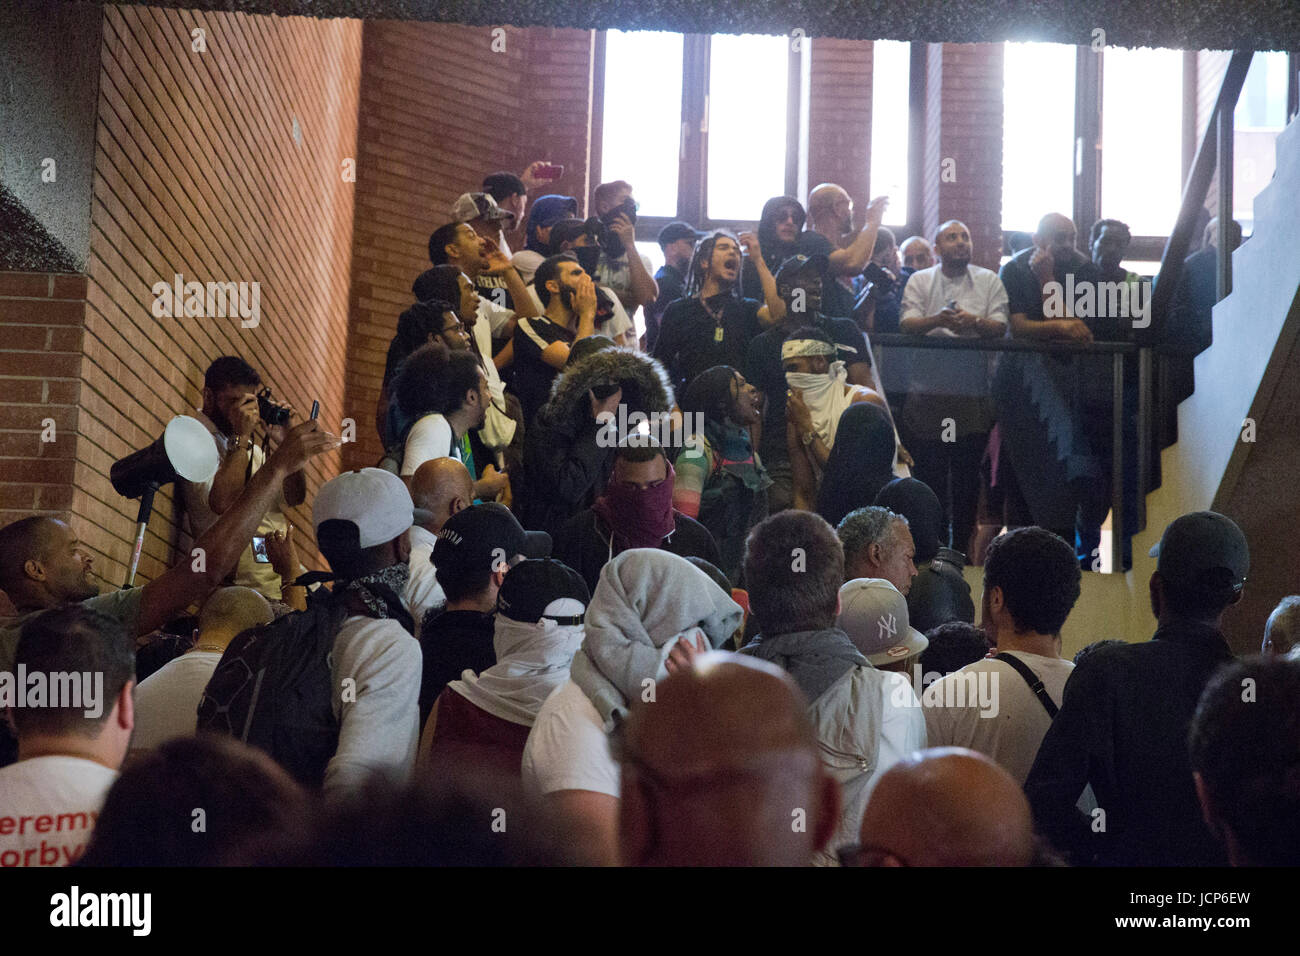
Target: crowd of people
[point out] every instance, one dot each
(691, 595)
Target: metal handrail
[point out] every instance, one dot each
(1118, 351)
(1001, 344)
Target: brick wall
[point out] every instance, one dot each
(41, 327)
(428, 134)
(964, 125)
(197, 172)
(839, 118)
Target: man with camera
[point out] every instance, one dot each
(233, 404)
(621, 268)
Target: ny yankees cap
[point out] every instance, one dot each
(873, 613)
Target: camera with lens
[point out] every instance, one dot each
(598, 227)
(270, 411)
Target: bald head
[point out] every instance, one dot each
(726, 751)
(952, 243)
(949, 807)
(917, 253)
(442, 487)
(830, 206)
(229, 611)
(1056, 234)
(1282, 632)
(21, 540)
(43, 565)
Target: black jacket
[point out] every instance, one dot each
(583, 544)
(453, 642)
(1123, 729)
(565, 467)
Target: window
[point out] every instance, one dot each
(748, 78)
(641, 132)
(891, 81)
(692, 144)
(1260, 116)
(1141, 137)
(1037, 133)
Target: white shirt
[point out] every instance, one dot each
(617, 273)
(48, 807)
(430, 437)
(423, 592)
(567, 748)
(375, 667)
(258, 575)
(928, 292)
(167, 701)
(1012, 736)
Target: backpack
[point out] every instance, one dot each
(272, 689)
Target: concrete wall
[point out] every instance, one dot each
(49, 75)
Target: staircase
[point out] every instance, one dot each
(1250, 372)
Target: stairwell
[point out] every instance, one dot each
(1249, 376)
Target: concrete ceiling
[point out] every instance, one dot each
(1181, 24)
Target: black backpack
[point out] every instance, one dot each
(272, 689)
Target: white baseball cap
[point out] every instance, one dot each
(873, 613)
(374, 500)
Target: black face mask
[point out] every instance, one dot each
(588, 257)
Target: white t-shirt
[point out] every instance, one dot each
(379, 706)
(497, 316)
(1013, 734)
(567, 748)
(928, 292)
(258, 575)
(167, 701)
(48, 807)
(423, 591)
(430, 437)
(526, 262)
(617, 273)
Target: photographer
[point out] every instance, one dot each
(231, 412)
(622, 268)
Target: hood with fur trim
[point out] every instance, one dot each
(646, 386)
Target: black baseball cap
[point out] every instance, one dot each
(797, 265)
(486, 534)
(679, 230)
(1198, 547)
(533, 586)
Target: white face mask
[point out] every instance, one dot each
(815, 385)
(825, 396)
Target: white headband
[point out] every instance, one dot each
(797, 348)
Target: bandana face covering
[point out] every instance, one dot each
(639, 517)
(825, 396)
